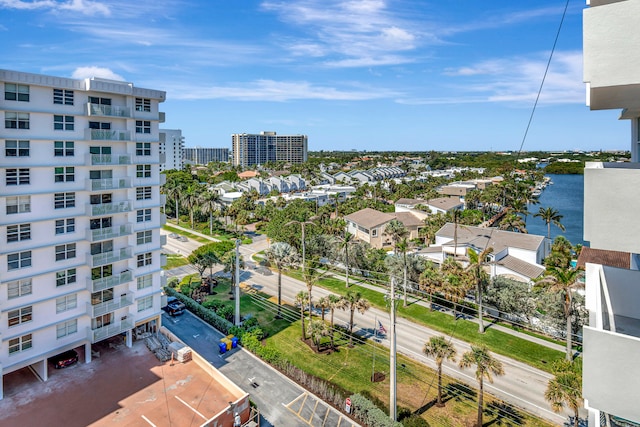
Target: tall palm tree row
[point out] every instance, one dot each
(550, 216)
(565, 388)
(210, 203)
(353, 301)
(478, 277)
(440, 349)
(282, 255)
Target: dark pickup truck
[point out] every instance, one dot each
(174, 307)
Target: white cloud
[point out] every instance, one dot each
(85, 7)
(93, 71)
(278, 91)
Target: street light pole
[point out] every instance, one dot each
(302, 224)
(393, 406)
(237, 290)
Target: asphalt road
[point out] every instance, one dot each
(522, 386)
(281, 401)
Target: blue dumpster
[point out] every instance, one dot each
(223, 347)
(234, 342)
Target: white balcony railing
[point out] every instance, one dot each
(108, 110)
(109, 257)
(107, 135)
(109, 159)
(108, 208)
(108, 184)
(110, 306)
(108, 233)
(103, 283)
(110, 330)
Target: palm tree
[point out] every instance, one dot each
(310, 276)
(354, 301)
(513, 222)
(301, 299)
(343, 244)
(564, 281)
(335, 302)
(173, 190)
(323, 304)
(479, 277)
(210, 204)
(190, 200)
(317, 329)
(565, 388)
(431, 281)
(486, 366)
(403, 246)
(282, 255)
(440, 349)
(549, 216)
(229, 263)
(397, 231)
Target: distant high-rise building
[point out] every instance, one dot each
(171, 149)
(257, 149)
(80, 243)
(203, 156)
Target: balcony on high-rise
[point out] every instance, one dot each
(107, 110)
(611, 55)
(108, 208)
(108, 159)
(109, 257)
(109, 306)
(107, 135)
(110, 330)
(108, 233)
(102, 283)
(108, 184)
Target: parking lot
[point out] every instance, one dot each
(124, 386)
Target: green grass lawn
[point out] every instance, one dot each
(352, 369)
(174, 260)
(533, 354)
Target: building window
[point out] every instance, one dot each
(18, 176)
(19, 288)
(18, 204)
(145, 303)
(100, 223)
(99, 101)
(13, 148)
(143, 171)
(66, 251)
(102, 271)
(143, 104)
(66, 277)
(143, 215)
(143, 148)
(19, 232)
(14, 92)
(21, 315)
(65, 225)
(63, 148)
(63, 122)
(19, 344)
(66, 328)
(143, 126)
(144, 259)
(100, 125)
(100, 199)
(19, 260)
(13, 120)
(102, 247)
(64, 200)
(145, 281)
(67, 302)
(64, 174)
(63, 96)
(143, 237)
(143, 193)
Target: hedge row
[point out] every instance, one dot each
(221, 324)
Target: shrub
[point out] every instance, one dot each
(221, 324)
(370, 414)
(415, 420)
(173, 282)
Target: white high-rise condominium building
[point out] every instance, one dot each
(257, 149)
(171, 149)
(611, 341)
(204, 155)
(80, 216)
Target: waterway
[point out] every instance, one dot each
(566, 195)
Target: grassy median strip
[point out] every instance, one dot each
(525, 351)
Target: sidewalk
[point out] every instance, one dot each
(422, 303)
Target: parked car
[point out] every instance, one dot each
(174, 235)
(65, 359)
(183, 238)
(174, 307)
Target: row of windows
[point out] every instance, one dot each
(22, 204)
(22, 176)
(22, 148)
(22, 259)
(21, 232)
(18, 92)
(17, 120)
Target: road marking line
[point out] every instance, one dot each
(147, 420)
(192, 408)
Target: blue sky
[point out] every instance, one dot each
(361, 74)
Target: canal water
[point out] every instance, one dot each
(566, 195)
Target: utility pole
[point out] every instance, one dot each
(393, 405)
(237, 290)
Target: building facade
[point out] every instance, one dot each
(80, 258)
(258, 149)
(611, 341)
(171, 149)
(203, 156)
